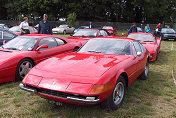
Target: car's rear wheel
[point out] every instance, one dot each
(23, 67)
(145, 73)
(115, 100)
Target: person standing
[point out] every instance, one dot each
(133, 28)
(44, 26)
(157, 30)
(24, 26)
(147, 29)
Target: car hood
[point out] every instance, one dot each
(80, 64)
(151, 46)
(7, 54)
(80, 38)
(169, 34)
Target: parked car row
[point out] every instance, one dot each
(93, 66)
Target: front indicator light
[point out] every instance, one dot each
(100, 88)
(24, 80)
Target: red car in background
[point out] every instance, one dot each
(110, 29)
(149, 41)
(16, 30)
(99, 72)
(19, 55)
(83, 35)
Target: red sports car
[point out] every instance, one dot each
(19, 55)
(83, 35)
(99, 72)
(16, 30)
(110, 29)
(149, 41)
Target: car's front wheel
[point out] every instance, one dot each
(145, 73)
(115, 100)
(23, 67)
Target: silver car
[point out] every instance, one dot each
(63, 29)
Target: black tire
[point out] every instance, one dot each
(24, 70)
(144, 74)
(110, 102)
(64, 32)
(75, 49)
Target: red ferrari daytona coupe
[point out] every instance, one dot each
(99, 72)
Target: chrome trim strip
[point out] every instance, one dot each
(21, 85)
(82, 100)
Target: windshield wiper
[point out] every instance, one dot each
(94, 51)
(12, 48)
(148, 41)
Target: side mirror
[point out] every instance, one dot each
(42, 46)
(139, 53)
(4, 41)
(123, 34)
(71, 34)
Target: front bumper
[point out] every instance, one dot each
(61, 95)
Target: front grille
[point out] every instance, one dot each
(172, 36)
(55, 93)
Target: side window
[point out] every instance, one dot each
(49, 41)
(31, 29)
(137, 46)
(142, 47)
(1, 35)
(102, 33)
(105, 33)
(59, 41)
(7, 35)
(134, 51)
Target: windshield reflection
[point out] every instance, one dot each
(86, 33)
(21, 43)
(107, 46)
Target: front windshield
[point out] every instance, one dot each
(63, 26)
(86, 33)
(107, 46)
(84, 27)
(105, 27)
(167, 30)
(21, 43)
(15, 29)
(142, 37)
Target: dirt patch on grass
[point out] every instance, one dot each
(163, 108)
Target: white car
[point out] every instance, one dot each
(63, 29)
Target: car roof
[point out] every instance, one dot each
(36, 35)
(115, 37)
(141, 33)
(18, 26)
(167, 28)
(107, 26)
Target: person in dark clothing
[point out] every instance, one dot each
(44, 26)
(133, 28)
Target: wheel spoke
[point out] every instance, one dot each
(27, 65)
(22, 72)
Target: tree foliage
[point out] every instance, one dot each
(147, 11)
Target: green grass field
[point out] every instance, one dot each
(152, 98)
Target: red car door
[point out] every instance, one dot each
(55, 46)
(140, 58)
